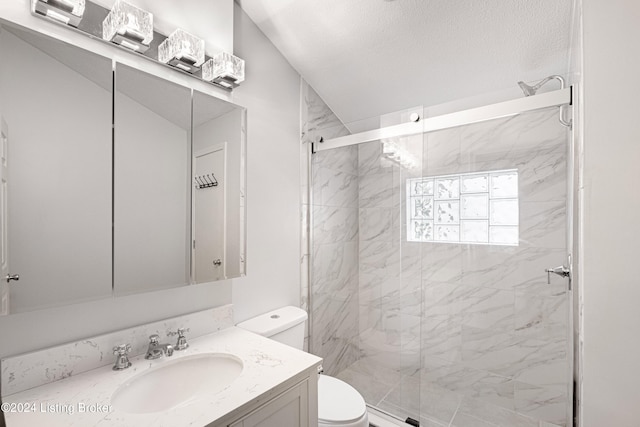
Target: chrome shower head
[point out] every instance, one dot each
(528, 90)
(531, 90)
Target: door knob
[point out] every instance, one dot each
(11, 277)
(217, 262)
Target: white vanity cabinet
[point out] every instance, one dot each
(290, 408)
(293, 403)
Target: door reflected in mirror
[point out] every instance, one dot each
(218, 189)
(208, 214)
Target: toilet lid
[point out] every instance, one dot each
(338, 401)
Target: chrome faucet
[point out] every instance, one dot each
(156, 349)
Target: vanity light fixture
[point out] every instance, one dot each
(68, 12)
(224, 69)
(128, 26)
(182, 50)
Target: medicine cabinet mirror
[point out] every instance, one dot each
(108, 177)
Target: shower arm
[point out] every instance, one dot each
(543, 81)
(531, 90)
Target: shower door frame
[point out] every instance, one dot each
(558, 98)
(451, 120)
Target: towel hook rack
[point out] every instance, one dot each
(206, 181)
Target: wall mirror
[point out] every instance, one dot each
(114, 181)
(55, 101)
(218, 191)
(151, 182)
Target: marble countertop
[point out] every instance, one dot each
(85, 399)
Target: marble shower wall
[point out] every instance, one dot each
(329, 263)
(492, 328)
(471, 323)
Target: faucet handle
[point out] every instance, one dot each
(122, 360)
(154, 339)
(182, 343)
(180, 332)
(122, 349)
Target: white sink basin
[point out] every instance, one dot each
(176, 382)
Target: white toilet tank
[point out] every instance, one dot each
(339, 404)
(285, 325)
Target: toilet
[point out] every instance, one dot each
(339, 404)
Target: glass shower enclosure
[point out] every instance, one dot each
(428, 289)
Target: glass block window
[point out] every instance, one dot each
(477, 208)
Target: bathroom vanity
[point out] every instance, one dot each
(231, 377)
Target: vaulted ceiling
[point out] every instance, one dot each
(370, 57)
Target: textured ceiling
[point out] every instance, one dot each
(370, 57)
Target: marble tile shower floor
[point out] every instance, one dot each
(434, 406)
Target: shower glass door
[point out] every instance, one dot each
(495, 333)
(428, 290)
(365, 287)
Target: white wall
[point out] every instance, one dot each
(611, 283)
(271, 95)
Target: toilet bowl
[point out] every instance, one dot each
(339, 404)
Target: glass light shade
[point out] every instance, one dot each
(68, 12)
(182, 50)
(225, 69)
(128, 26)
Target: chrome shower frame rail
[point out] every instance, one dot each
(514, 107)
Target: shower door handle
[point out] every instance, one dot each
(560, 271)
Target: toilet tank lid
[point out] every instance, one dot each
(276, 321)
